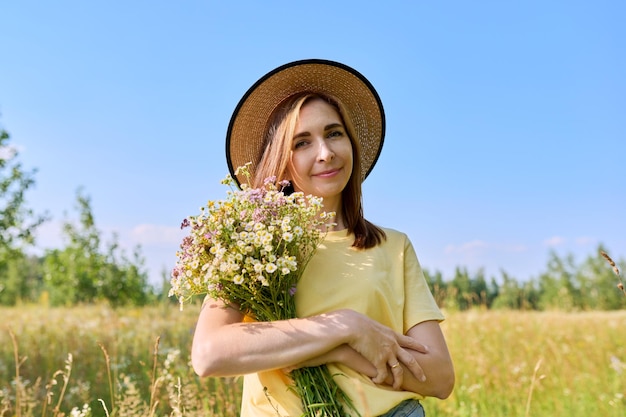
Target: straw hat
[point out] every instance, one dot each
(249, 123)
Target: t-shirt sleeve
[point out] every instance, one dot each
(419, 303)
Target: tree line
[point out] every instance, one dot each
(565, 285)
(89, 270)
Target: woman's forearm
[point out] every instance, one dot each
(225, 346)
(436, 363)
(343, 354)
(439, 376)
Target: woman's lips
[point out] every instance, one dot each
(327, 174)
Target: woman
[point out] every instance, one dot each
(366, 311)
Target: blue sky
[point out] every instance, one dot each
(506, 121)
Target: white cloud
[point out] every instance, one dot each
(158, 243)
(7, 152)
(554, 241)
(50, 235)
(149, 234)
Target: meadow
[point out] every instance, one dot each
(99, 361)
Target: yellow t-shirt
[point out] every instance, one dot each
(385, 283)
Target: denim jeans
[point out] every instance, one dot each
(408, 408)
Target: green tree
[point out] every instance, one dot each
(557, 286)
(481, 292)
(598, 290)
(124, 281)
(17, 224)
(467, 291)
(515, 295)
(21, 279)
(508, 294)
(84, 272)
(438, 287)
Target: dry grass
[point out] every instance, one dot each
(620, 284)
(131, 362)
(134, 362)
(536, 364)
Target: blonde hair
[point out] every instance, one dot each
(277, 153)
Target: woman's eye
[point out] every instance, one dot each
(300, 144)
(335, 134)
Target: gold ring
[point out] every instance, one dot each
(396, 365)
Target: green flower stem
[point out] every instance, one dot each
(320, 394)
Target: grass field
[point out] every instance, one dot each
(134, 362)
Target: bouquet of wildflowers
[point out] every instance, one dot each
(250, 251)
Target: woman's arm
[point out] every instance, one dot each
(435, 361)
(223, 345)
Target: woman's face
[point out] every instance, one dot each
(321, 153)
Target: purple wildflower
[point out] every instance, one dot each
(255, 195)
(184, 224)
(258, 215)
(269, 180)
(281, 201)
(292, 291)
(186, 244)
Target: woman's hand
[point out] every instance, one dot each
(384, 348)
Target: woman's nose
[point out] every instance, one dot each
(325, 153)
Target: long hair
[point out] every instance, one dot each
(277, 153)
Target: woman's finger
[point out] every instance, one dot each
(398, 372)
(410, 343)
(412, 365)
(382, 372)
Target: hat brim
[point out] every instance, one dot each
(248, 125)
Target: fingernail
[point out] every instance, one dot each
(423, 378)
